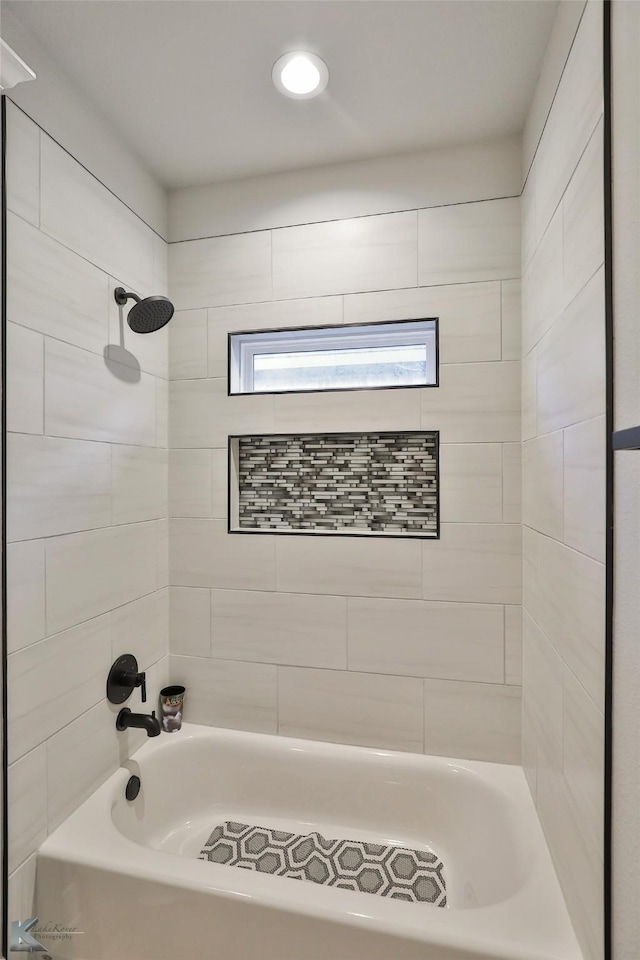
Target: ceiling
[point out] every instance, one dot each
(188, 82)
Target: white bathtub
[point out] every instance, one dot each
(126, 874)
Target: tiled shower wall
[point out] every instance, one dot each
(564, 481)
(400, 644)
(87, 485)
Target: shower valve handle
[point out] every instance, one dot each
(137, 680)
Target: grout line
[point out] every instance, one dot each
(568, 546)
(352, 673)
(39, 177)
(44, 386)
(348, 293)
(347, 631)
(502, 446)
(502, 282)
(417, 248)
(361, 216)
(504, 644)
(564, 190)
(92, 263)
(93, 353)
(86, 169)
(553, 99)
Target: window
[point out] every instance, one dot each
(401, 354)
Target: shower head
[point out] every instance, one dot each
(145, 316)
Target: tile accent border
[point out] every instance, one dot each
(382, 484)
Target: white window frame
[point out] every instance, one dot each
(244, 347)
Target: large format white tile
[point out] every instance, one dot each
(142, 351)
(571, 611)
(349, 566)
(585, 487)
(160, 265)
(528, 216)
(578, 862)
(468, 316)
(513, 644)
(162, 552)
(310, 312)
(474, 402)
(158, 677)
(512, 482)
(22, 890)
(23, 164)
(140, 477)
(142, 628)
(529, 387)
(162, 413)
(54, 681)
(571, 362)
(191, 483)
(463, 242)
(542, 691)
(219, 483)
(529, 747)
(56, 486)
(90, 573)
(25, 593)
(345, 256)
(202, 415)
(357, 410)
(511, 320)
(583, 218)
(224, 693)
(188, 345)
(53, 290)
(286, 628)
(81, 756)
(583, 768)
(220, 270)
(473, 721)
(86, 400)
(474, 562)
(27, 806)
(530, 584)
(543, 286)
(417, 638)
(198, 483)
(542, 470)
(345, 707)
(576, 110)
(203, 554)
(190, 621)
(25, 380)
(471, 482)
(79, 211)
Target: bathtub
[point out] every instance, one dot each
(125, 874)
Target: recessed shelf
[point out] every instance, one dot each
(382, 484)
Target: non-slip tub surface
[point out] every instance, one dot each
(396, 872)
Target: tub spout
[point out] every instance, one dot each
(144, 721)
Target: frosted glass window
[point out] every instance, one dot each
(402, 354)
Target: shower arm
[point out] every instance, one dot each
(121, 296)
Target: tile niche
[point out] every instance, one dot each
(369, 484)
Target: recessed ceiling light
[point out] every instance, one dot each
(300, 75)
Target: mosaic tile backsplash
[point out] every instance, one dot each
(385, 483)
